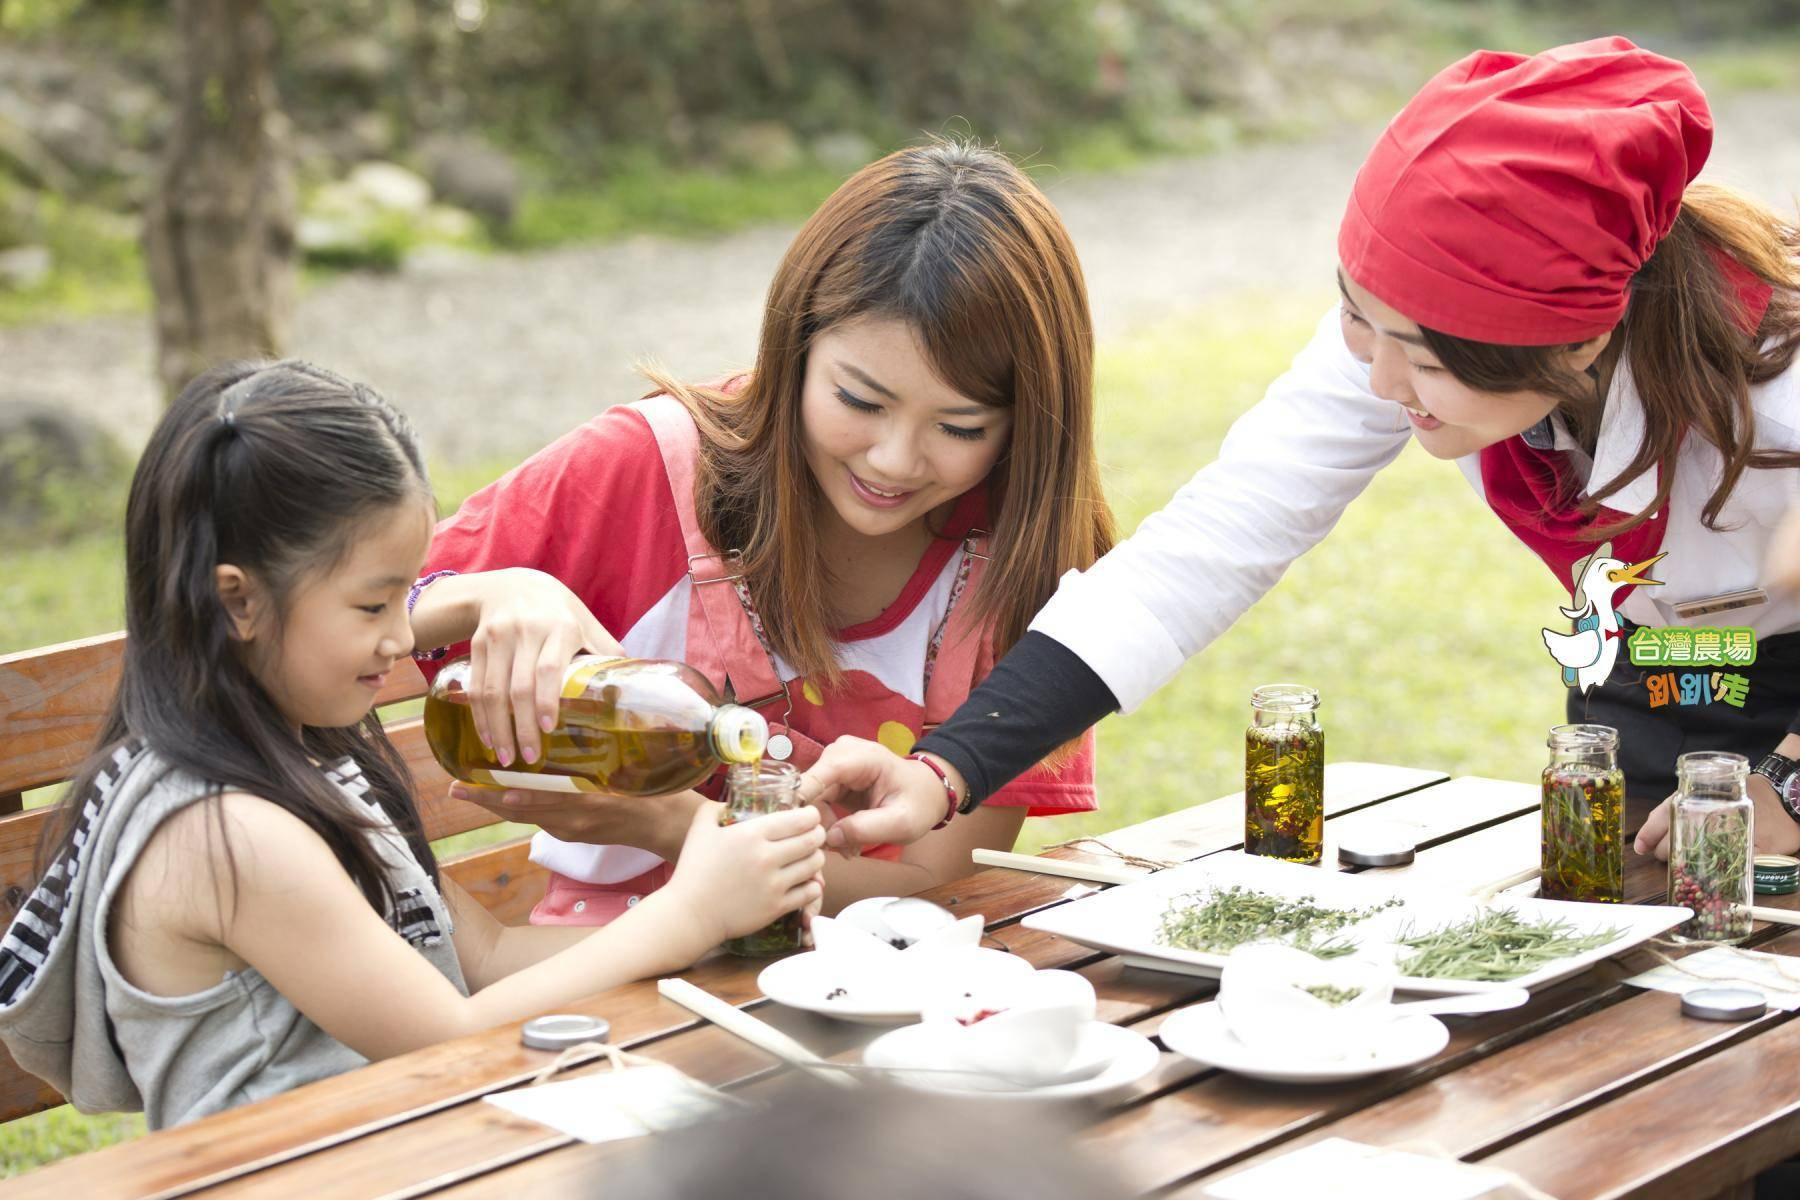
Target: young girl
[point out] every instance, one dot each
(844, 537)
(241, 899)
(1533, 287)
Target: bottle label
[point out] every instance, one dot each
(526, 781)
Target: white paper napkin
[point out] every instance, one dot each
(609, 1105)
(1727, 966)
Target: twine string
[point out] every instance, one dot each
(1094, 845)
(576, 1055)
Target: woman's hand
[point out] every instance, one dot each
(530, 626)
(1653, 838)
(1776, 832)
(902, 799)
(657, 824)
(735, 879)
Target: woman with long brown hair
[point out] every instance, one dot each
(1534, 286)
(847, 535)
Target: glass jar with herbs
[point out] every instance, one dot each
(1583, 816)
(1284, 774)
(1711, 844)
(756, 790)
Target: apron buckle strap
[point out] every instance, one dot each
(731, 558)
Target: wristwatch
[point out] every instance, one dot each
(1784, 773)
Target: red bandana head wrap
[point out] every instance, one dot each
(1514, 198)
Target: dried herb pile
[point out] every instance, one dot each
(1494, 946)
(1219, 921)
(1333, 996)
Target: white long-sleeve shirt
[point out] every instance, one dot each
(1290, 466)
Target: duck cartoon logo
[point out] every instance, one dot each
(1588, 654)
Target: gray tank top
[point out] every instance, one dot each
(240, 1040)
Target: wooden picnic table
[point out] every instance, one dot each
(1592, 1089)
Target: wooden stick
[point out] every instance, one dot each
(1086, 872)
(1775, 916)
(1489, 890)
(735, 1020)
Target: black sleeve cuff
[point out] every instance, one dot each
(1038, 697)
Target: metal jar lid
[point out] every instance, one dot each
(1724, 1003)
(1377, 846)
(1777, 874)
(563, 1030)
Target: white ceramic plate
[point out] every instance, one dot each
(1200, 1033)
(812, 981)
(1130, 1055)
(1124, 920)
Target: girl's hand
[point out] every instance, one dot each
(903, 798)
(657, 825)
(530, 626)
(734, 879)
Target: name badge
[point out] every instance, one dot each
(1729, 602)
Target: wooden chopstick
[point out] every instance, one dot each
(1086, 872)
(1775, 916)
(1488, 891)
(734, 1020)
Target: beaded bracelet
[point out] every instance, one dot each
(412, 599)
(949, 790)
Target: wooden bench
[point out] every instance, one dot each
(53, 701)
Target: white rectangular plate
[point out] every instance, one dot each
(1124, 920)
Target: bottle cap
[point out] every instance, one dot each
(1777, 874)
(1724, 1003)
(739, 734)
(563, 1030)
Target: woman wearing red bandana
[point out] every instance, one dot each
(1534, 287)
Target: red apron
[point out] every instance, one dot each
(725, 645)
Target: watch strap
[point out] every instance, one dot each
(1779, 769)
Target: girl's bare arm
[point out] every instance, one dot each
(302, 922)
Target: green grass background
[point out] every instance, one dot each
(1417, 619)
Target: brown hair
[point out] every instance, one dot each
(953, 239)
(1691, 361)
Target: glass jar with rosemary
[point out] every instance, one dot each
(1710, 846)
(1284, 774)
(751, 791)
(1583, 816)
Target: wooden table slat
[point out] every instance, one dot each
(1691, 1133)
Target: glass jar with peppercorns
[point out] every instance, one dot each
(1711, 843)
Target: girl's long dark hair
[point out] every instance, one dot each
(273, 468)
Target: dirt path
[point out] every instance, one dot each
(497, 355)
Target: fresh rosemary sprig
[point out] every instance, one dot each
(1225, 918)
(1494, 946)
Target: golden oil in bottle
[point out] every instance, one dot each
(1582, 815)
(1284, 774)
(625, 726)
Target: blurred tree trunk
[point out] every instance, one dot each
(219, 227)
